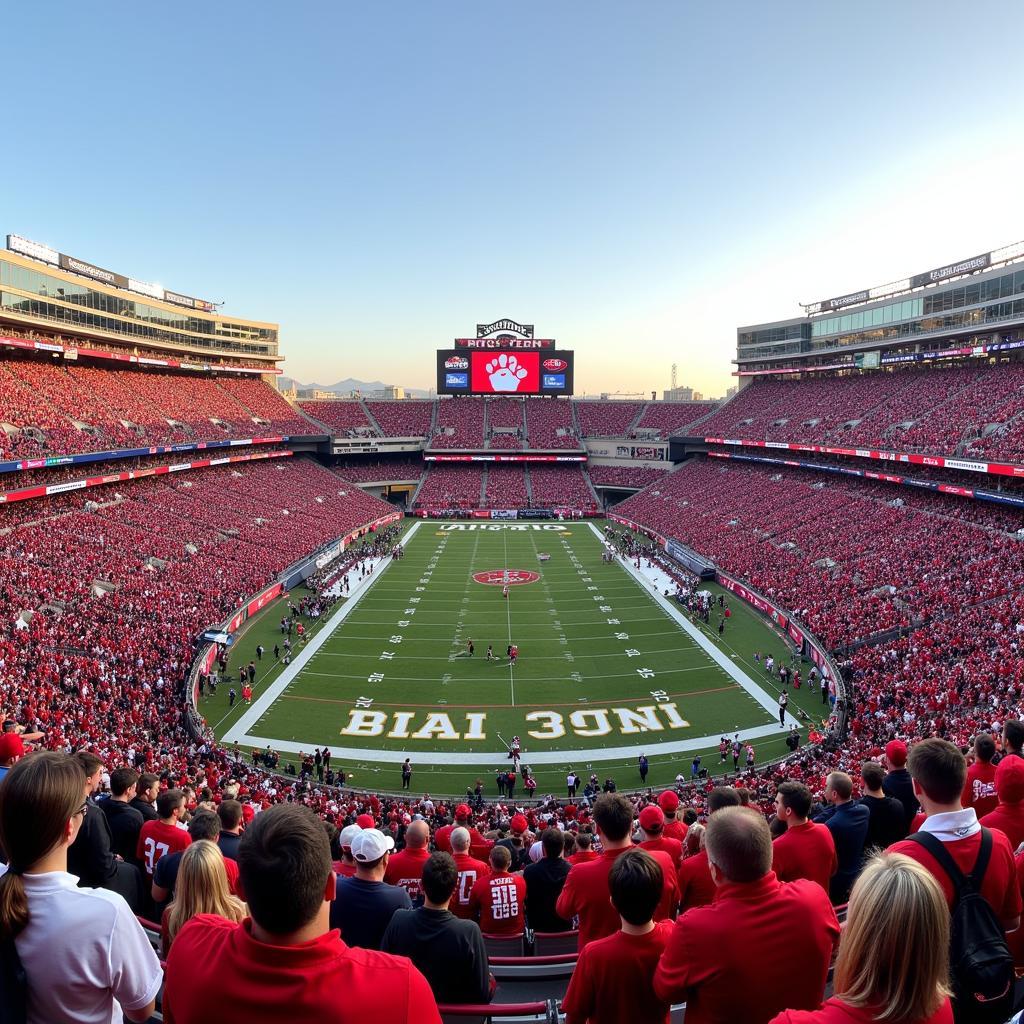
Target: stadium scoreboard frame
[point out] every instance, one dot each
(505, 359)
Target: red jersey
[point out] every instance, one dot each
(1015, 939)
(470, 871)
(835, 1011)
(158, 839)
(999, 886)
(673, 847)
(1009, 819)
(696, 886)
(586, 895)
(443, 837)
(405, 869)
(675, 829)
(584, 856)
(722, 980)
(286, 982)
(499, 901)
(612, 979)
(980, 788)
(805, 851)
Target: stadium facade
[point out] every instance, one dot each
(973, 306)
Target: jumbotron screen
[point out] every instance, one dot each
(504, 372)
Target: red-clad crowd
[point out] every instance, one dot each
(965, 410)
(68, 408)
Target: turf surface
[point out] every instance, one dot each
(603, 673)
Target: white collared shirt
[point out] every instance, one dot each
(85, 954)
(952, 826)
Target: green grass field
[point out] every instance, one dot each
(605, 672)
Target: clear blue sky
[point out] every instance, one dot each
(636, 179)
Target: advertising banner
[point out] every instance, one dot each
(504, 513)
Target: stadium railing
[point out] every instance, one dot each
(480, 1013)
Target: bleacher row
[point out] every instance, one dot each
(47, 407)
(464, 487)
(970, 411)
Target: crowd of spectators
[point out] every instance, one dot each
(844, 555)
(451, 487)
(669, 418)
(403, 418)
(58, 408)
(460, 424)
(549, 423)
(624, 476)
(347, 418)
(506, 487)
(965, 410)
(606, 418)
(561, 487)
(506, 413)
(372, 472)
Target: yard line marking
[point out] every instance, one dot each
(262, 703)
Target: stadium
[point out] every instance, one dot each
(388, 606)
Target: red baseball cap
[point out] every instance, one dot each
(11, 745)
(652, 818)
(518, 823)
(896, 753)
(462, 812)
(668, 801)
(366, 821)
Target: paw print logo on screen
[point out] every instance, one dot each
(505, 373)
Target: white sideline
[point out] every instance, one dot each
(240, 729)
(661, 581)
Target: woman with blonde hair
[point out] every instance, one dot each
(201, 888)
(893, 964)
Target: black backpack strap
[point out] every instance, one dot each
(938, 850)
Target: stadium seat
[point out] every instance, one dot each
(556, 943)
(505, 945)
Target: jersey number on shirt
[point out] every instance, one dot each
(504, 902)
(154, 851)
(467, 879)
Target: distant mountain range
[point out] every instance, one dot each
(347, 386)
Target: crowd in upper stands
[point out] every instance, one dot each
(974, 411)
(68, 408)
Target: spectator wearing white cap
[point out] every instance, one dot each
(346, 867)
(365, 902)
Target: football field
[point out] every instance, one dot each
(608, 668)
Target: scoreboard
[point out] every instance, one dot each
(505, 369)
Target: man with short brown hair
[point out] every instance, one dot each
(586, 892)
(805, 849)
(781, 924)
(939, 771)
(285, 962)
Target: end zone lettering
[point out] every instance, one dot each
(543, 725)
(501, 526)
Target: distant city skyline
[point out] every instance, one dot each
(636, 181)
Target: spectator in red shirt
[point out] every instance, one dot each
(584, 852)
(735, 960)
(585, 892)
(163, 835)
(674, 827)
(283, 962)
(939, 771)
(463, 814)
(612, 979)
(498, 901)
(470, 871)
(652, 829)
(980, 788)
(405, 868)
(805, 849)
(696, 886)
(892, 966)
(1008, 815)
